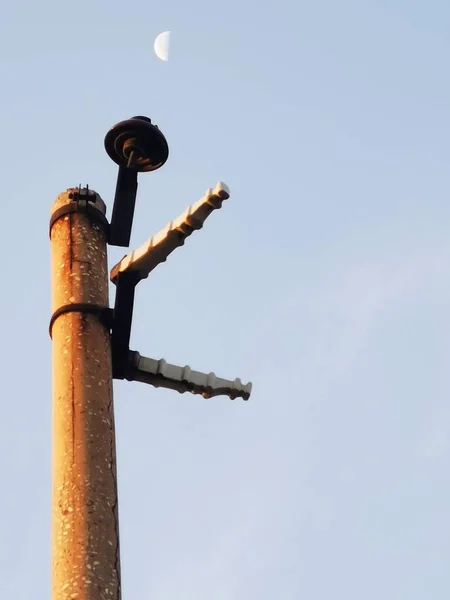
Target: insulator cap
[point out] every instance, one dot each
(137, 144)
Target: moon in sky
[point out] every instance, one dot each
(161, 46)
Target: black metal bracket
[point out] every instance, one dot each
(122, 320)
(136, 146)
(123, 207)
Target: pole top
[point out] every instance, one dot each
(81, 195)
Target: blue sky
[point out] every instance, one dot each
(324, 280)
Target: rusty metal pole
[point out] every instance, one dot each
(85, 541)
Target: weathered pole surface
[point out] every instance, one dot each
(85, 541)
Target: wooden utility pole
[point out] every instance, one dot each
(91, 347)
(85, 545)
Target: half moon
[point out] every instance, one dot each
(161, 46)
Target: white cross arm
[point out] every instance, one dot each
(156, 250)
(159, 373)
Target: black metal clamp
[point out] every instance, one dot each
(104, 313)
(116, 320)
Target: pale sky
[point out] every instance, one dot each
(325, 280)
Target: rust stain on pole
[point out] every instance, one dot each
(85, 541)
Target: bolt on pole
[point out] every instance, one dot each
(85, 543)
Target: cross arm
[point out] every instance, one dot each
(159, 373)
(142, 261)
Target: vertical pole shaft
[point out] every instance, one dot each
(85, 542)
